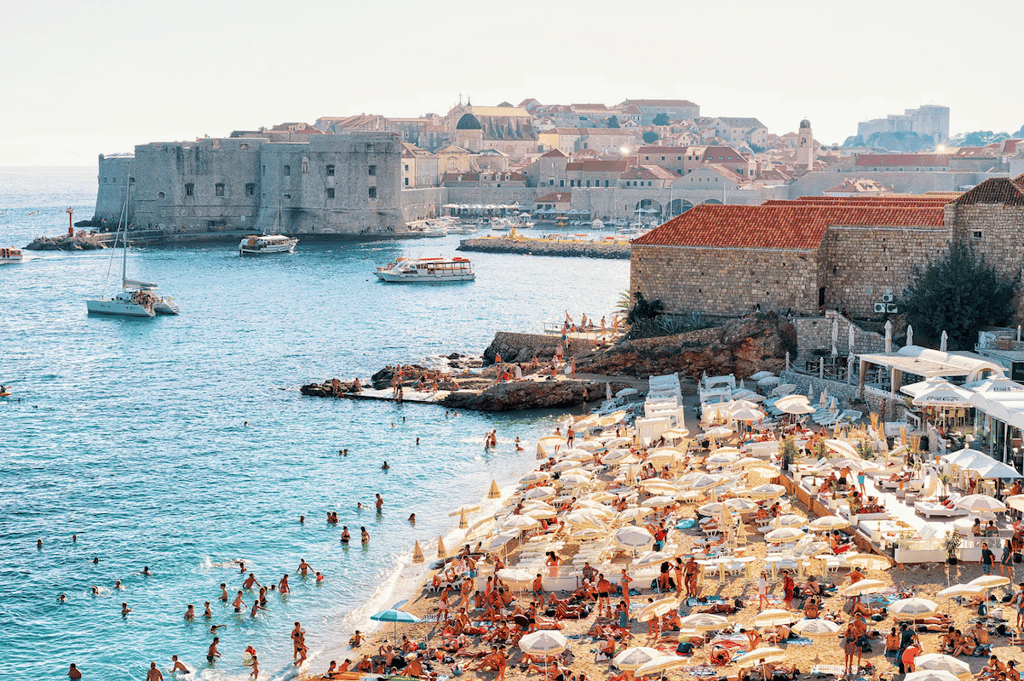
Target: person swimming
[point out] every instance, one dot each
(125, 610)
(412, 518)
(385, 467)
(95, 591)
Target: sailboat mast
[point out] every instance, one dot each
(124, 260)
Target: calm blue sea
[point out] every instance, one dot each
(129, 433)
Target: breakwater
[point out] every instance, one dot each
(580, 249)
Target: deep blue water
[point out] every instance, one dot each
(129, 433)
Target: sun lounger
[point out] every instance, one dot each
(930, 508)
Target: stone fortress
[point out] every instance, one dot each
(312, 185)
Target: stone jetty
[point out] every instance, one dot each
(79, 242)
(617, 250)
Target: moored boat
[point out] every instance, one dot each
(10, 255)
(263, 244)
(426, 270)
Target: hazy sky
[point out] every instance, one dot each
(79, 77)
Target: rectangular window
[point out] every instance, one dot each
(372, 170)
(287, 171)
(218, 189)
(330, 192)
(190, 190)
(250, 190)
(407, 167)
(369, 147)
(373, 192)
(330, 171)
(407, 182)
(977, 236)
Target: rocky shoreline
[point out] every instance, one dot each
(83, 242)
(577, 249)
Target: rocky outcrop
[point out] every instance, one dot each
(579, 249)
(523, 347)
(85, 242)
(517, 395)
(741, 346)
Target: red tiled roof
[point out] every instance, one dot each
(660, 102)
(727, 154)
(648, 173)
(903, 160)
(995, 190)
(555, 197)
(554, 153)
(891, 201)
(795, 227)
(860, 184)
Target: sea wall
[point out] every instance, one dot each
(577, 249)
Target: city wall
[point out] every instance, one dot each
(815, 333)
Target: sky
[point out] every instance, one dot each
(83, 77)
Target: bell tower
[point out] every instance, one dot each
(805, 146)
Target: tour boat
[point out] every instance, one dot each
(426, 270)
(136, 298)
(9, 255)
(256, 244)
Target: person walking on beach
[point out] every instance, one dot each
(762, 591)
(625, 581)
(255, 673)
(570, 437)
(298, 643)
(154, 674)
(987, 558)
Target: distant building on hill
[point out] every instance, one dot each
(929, 119)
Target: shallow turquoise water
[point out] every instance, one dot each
(130, 433)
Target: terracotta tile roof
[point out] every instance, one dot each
(995, 190)
(728, 173)
(890, 201)
(555, 197)
(860, 184)
(903, 160)
(990, 151)
(554, 153)
(793, 227)
(712, 154)
(596, 166)
(660, 102)
(648, 173)
(662, 150)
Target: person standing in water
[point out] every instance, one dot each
(178, 666)
(212, 653)
(303, 568)
(365, 536)
(345, 537)
(380, 503)
(154, 674)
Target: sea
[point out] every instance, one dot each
(182, 444)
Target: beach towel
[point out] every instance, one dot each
(711, 600)
(700, 670)
(799, 641)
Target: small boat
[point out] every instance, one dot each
(260, 244)
(426, 270)
(10, 255)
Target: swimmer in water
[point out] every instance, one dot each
(154, 674)
(250, 580)
(365, 535)
(117, 585)
(255, 673)
(359, 506)
(62, 598)
(146, 572)
(125, 610)
(302, 520)
(215, 627)
(255, 608)
(304, 568)
(207, 613)
(96, 560)
(412, 518)
(238, 602)
(379, 502)
(212, 653)
(74, 538)
(385, 466)
(178, 666)
(39, 544)
(417, 442)
(95, 591)
(345, 537)
(319, 578)
(282, 586)
(190, 612)
(224, 592)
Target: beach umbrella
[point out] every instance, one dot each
(912, 608)
(841, 447)
(790, 520)
(463, 523)
(584, 450)
(633, 538)
(720, 459)
(595, 507)
(767, 491)
(718, 431)
(863, 587)
(774, 617)
(442, 552)
(989, 581)
(930, 674)
(659, 502)
(535, 476)
(941, 663)
(539, 493)
(675, 433)
(979, 503)
(536, 503)
(784, 534)
(816, 627)
(634, 514)
(664, 456)
(704, 481)
(565, 465)
(829, 522)
(588, 534)
(584, 519)
(960, 589)
(740, 505)
(463, 509)
(1016, 502)
(660, 607)
(868, 561)
(632, 658)
(520, 522)
(660, 665)
(395, 616)
(652, 558)
(494, 492)
(763, 469)
(659, 486)
(417, 553)
(481, 528)
(574, 479)
(761, 655)
(711, 509)
(748, 415)
(746, 462)
(544, 642)
(515, 576)
(702, 621)
(615, 456)
(540, 513)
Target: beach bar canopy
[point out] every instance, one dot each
(927, 363)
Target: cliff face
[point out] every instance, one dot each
(528, 395)
(741, 346)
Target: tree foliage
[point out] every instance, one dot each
(650, 137)
(613, 122)
(660, 119)
(643, 309)
(958, 294)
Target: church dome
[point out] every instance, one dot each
(805, 123)
(468, 122)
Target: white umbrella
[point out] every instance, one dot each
(540, 513)
(659, 502)
(960, 589)
(989, 581)
(566, 465)
(704, 481)
(759, 655)
(574, 479)
(791, 520)
(584, 519)
(784, 534)
(863, 587)
(535, 476)
(660, 665)
(702, 621)
(536, 503)
(520, 522)
(720, 459)
(633, 538)
(634, 514)
(842, 447)
(1016, 502)
(631, 658)
(797, 409)
(868, 561)
(652, 558)
(544, 642)
(616, 455)
(979, 503)
(829, 522)
(816, 627)
(942, 663)
(912, 608)
(595, 507)
(767, 491)
(711, 509)
(748, 415)
(539, 493)
(463, 509)
(930, 674)
(515, 576)
(718, 431)
(774, 617)
(741, 505)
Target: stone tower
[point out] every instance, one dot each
(805, 146)
(469, 134)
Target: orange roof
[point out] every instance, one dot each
(795, 227)
(648, 173)
(555, 197)
(660, 102)
(903, 160)
(887, 201)
(554, 153)
(995, 190)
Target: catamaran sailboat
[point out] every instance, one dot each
(136, 298)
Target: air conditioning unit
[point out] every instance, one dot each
(891, 309)
(887, 298)
(879, 308)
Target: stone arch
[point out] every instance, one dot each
(714, 202)
(679, 206)
(650, 205)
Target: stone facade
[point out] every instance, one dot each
(725, 280)
(995, 230)
(815, 333)
(323, 184)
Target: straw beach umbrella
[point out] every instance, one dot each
(442, 552)
(494, 492)
(417, 553)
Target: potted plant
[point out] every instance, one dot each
(951, 543)
(787, 452)
(945, 480)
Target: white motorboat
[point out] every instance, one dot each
(426, 270)
(10, 255)
(136, 298)
(257, 244)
